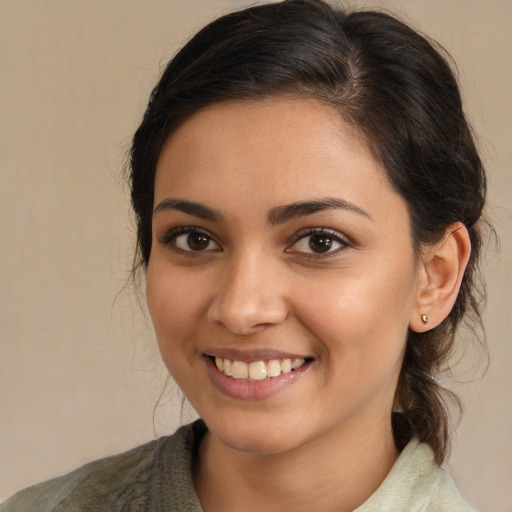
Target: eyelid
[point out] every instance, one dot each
(307, 232)
(173, 233)
(170, 235)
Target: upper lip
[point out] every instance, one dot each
(252, 354)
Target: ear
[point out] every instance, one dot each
(441, 269)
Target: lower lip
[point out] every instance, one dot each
(253, 390)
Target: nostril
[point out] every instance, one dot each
(244, 321)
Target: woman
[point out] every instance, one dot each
(308, 200)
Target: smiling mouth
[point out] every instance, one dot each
(258, 370)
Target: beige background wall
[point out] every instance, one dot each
(79, 373)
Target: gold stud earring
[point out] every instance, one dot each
(424, 319)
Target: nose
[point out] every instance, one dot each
(251, 296)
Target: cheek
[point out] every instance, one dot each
(173, 305)
(359, 317)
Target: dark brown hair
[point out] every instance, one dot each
(394, 87)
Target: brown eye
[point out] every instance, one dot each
(320, 243)
(192, 241)
(198, 241)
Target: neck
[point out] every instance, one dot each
(337, 472)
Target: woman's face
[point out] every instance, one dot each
(278, 243)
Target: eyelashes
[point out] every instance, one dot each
(318, 242)
(314, 243)
(190, 239)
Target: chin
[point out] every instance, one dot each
(258, 438)
(254, 445)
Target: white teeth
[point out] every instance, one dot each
(239, 370)
(286, 365)
(257, 370)
(273, 368)
(297, 363)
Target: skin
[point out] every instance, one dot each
(325, 442)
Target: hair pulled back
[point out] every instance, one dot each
(396, 90)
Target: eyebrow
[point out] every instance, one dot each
(282, 214)
(275, 216)
(190, 207)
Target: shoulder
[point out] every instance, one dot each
(127, 481)
(417, 484)
(101, 481)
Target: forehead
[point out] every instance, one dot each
(275, 151)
